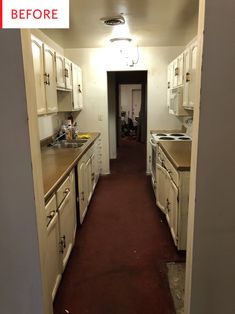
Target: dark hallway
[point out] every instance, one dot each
(118, 264)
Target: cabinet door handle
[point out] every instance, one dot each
(48, 79)
(45, 78)
(169, 85)
(62, 244)
(52, 214)
(83, 196)
(66, 73)
(188, 78)
(79, 88)
(66, 191)
(176, 71)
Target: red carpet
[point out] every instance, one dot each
(118, 264)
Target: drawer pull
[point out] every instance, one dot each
(66, 191)
(51, 214)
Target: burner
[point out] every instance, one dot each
(166, 138)
(184, 138)
(161, 134)
(176, 134)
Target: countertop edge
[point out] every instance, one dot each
(172, 160)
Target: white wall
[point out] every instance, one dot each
(112, 116)
(96, 62)
(21, 282)
(210, 271)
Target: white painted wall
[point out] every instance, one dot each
(210, 271)
(96, 62)
(125, 91)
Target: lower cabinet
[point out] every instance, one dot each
(88, 169)
(172, 198)
(61, 229)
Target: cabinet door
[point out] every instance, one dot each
(161, 188)
(180, 69)
(169, 82)
(175, 72)
(89, 185)
(80, 89)
(193, 73)
(60, 73)
(37, 51)
(75, 87)
(66, 221)
(52, 258)
(82, 193)
(68, 74)
(172, 208)
(186, 78)
(50, 71)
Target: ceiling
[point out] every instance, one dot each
(151, 22)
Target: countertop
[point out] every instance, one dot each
(178, 152)
(58, 162)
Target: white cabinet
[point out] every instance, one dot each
(45, 77)
(169, 82)
(61, 229)
(190, 75)
(172, 198)
(77, 88)
(60, 73)
(182, 74)
(38, 63)
(88, 170)
(161, 187)
(68, 74)
(52, 254)
(63, 73)
(50, 76)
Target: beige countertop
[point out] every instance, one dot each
(58, 162)
(178, 152)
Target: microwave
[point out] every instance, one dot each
(176, 102)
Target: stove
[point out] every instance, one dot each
(170, 137)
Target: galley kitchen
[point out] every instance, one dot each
(114, 197)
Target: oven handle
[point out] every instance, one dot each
(151, 141)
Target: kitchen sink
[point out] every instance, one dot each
(70, 144)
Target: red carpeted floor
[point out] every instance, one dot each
(118, 264)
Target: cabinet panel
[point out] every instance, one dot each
(66, 228)
(38, 64)
(52, 257)
(82, 194)
(68, 74)
(50, 71)
(60, 74)
(161, 188)
(172, 208)
(192, 89)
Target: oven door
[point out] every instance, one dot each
(153, 163)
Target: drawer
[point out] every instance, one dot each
(63, 190)
(50, 208)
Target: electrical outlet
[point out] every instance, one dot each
(100, 117)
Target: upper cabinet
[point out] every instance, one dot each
(50, 79)
(45, 79)
(58, 81)
(77, 88)
(63, 73)
(190, 73)
(181, 74)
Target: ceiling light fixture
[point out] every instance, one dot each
(113, 20)
(128, 51)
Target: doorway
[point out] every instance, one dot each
(127, 102)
